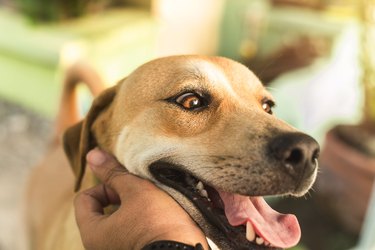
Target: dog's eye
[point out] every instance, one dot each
(267, 106)
(190, 101)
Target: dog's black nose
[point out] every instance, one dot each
(297, 152)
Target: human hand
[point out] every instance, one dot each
(146, 213)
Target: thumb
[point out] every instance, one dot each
(109, 171)
(100, 161)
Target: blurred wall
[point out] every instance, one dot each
(187, 26)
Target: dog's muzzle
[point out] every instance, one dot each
(246, 222)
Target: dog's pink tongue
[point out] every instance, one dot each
(281, 230)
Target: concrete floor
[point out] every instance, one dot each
(23, 139)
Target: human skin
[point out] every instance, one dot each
(145, 214)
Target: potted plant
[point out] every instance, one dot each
(348, 156)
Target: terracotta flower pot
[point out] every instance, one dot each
(345, 182)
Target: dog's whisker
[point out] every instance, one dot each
(312, 190)
(308, 194)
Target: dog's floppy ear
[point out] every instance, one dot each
(78, 140)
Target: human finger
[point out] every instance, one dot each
(105, 167)
(89, 204)
(110, 172)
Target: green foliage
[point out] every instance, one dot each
(55, 10)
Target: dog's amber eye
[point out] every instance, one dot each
(267, 106)
(190, 101)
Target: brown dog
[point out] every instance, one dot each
(202, 129)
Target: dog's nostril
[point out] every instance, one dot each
(298, 153)
(295, 157)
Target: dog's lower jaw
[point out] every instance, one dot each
(216, 239)
(206, 210)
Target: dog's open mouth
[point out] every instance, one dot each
(247, 222)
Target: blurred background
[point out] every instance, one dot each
(317, 57)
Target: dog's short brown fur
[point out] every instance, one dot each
(227, 143)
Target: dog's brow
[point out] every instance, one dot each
(187, 74)
(268, 96)
(195, 75)
(210, 72)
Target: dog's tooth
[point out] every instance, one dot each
(259, 240)
(204, 193)
(199, 185)
(250, 233)
(266, 243)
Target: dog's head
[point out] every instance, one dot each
(202, 129)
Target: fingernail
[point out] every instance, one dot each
(96, 157)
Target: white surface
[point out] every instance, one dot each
(188, 26)
(316, 98)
